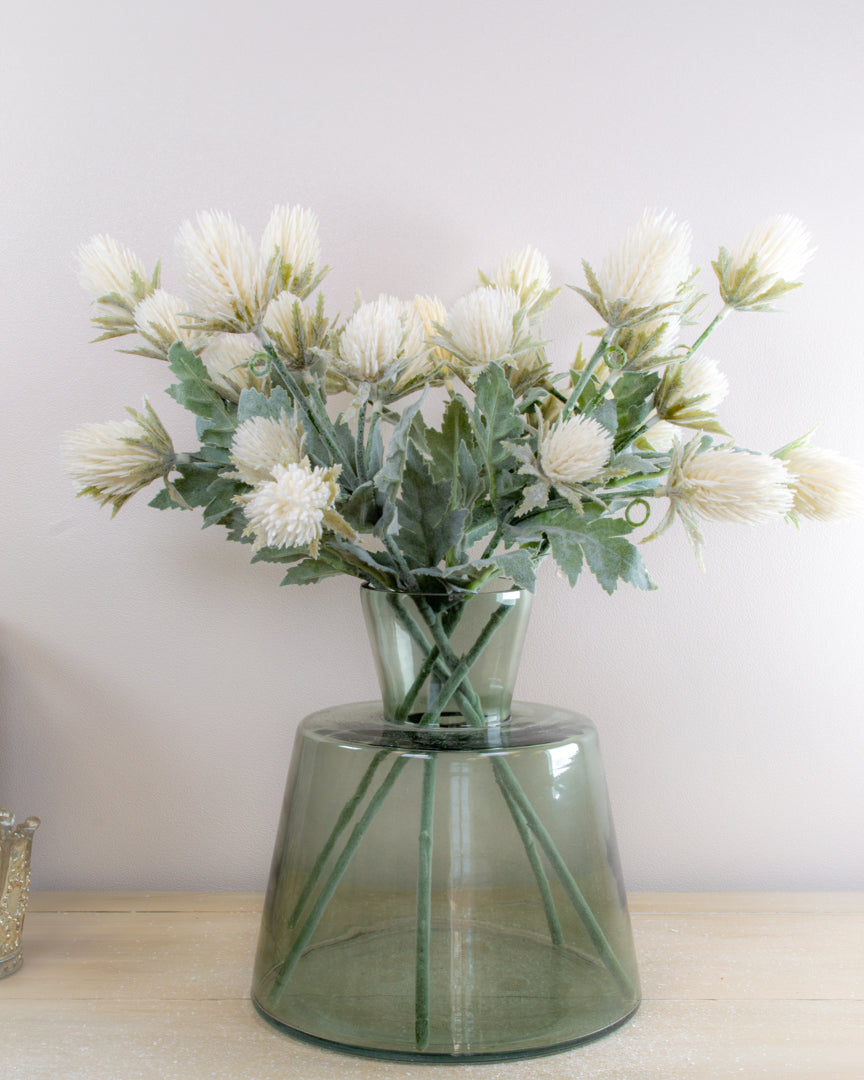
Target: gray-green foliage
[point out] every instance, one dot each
(434, 508)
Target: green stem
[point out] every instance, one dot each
(715, 322)
(324, 897)
(422, 972)
(451, 660)
(359, 449)
(555, 931)
(589, 370)
(459, 673)
(469, 707)
(506, 779)
(401, 714)
(342, 821)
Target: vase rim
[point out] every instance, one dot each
(489, 588)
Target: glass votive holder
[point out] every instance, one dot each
(16, 843)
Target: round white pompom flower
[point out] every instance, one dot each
(161, 319)
(724, 484)
(575, 451)
(292, 235)
(229, 362)
(294, 507)
(526, 272)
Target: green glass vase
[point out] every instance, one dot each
(445, 884)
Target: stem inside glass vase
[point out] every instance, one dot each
(447, 660)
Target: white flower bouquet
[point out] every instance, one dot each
(316, 447)
(313, 443)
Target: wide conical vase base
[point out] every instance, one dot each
(446, 894)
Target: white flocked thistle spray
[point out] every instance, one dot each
(527, 462)
(315, 450)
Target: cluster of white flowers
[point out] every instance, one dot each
(229, 281)
(245, 313)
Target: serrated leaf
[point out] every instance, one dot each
(254, 403)
(195, 393)
(388, 479)
(454, 452)
(496, 418)
(634, 399)
(599, 540)
(519, 567)
(308, 572)
(194, 484)
(427, 527)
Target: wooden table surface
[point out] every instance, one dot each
(122, 986)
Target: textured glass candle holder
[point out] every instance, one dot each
(16, 843)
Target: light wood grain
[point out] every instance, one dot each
(122, 986)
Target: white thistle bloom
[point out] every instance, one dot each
(661, 436)
(480, 325)
(227, 285)
(691, 389)
(294, 507)
(767, 263)
(433, 314)
(109, 268)
(161, 320)
(649, 344)
(826, 485)
(113, 460)
(575, 451)
(373, 339)
(526, 272)
(228, 362)
(642, 277)
(280, 325)
(291, 236)
(260, 444)
(724, 484)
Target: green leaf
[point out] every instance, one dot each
(599, 540)
(222, 503)
(427, 528)
(254, 403)
(308, 572)
(195, 393)
(388, 479)
(194, 484)
(634, 399)
(496, 418)
(518, 566)
(361, 509)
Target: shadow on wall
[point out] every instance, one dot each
(101, 797)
